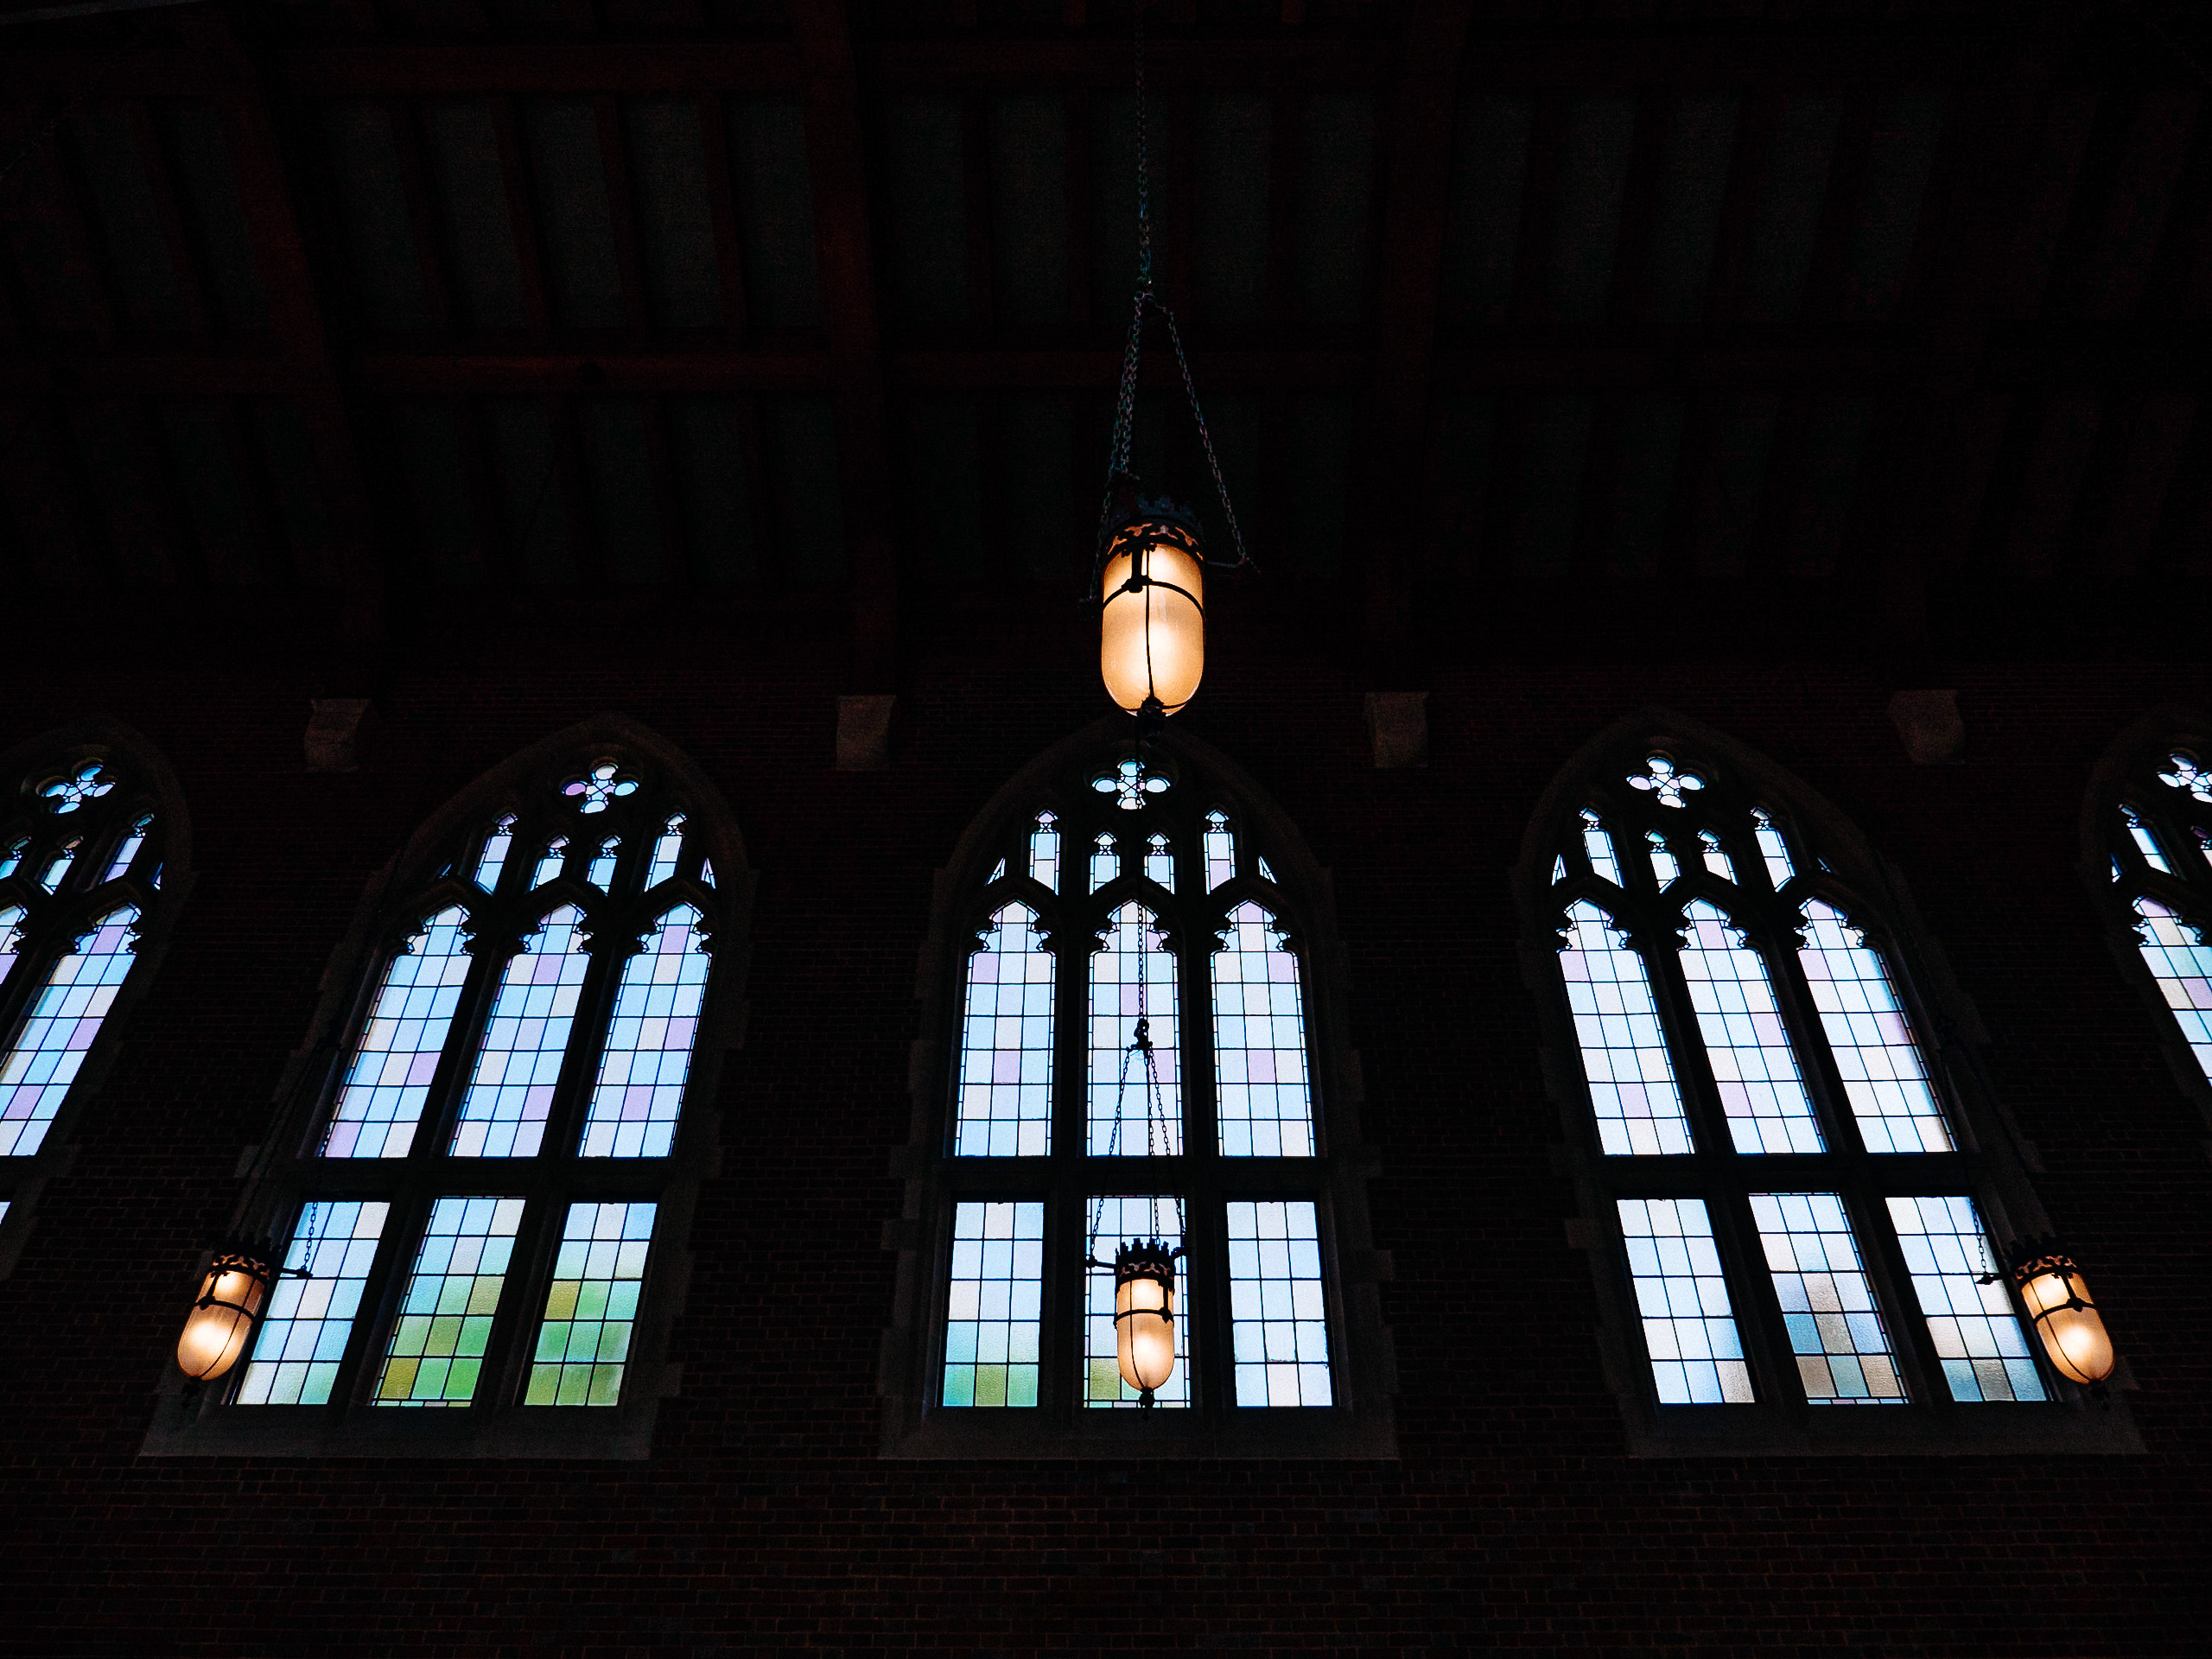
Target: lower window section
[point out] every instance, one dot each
(1835, 1331)
(998, 1286)
(437, 1343)
(583, 1346)
(1697, 1358)
(1977, 1336)
(1278, 1329)
(303, 1335)
(1113, 1221)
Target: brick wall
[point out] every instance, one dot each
(765, 1520)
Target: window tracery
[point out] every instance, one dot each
(2151, 804)
(481, 1224)
(1140, 1058)
(1738, 1013)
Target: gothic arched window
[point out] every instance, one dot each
(1137, 1045)
(2151, 814)
(1790, 1206)
(484, 1217)
(92, 844)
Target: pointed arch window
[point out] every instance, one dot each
(90, 823)
(2150, 823)
(1782, 1170)
(483, 1227)
(1145, 1055)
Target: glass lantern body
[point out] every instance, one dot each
(222, 1317)
(1152, 628)
(2072, 1330)
(1144, 1330)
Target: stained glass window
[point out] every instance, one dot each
(1884, 1074)
(1835, 1330)
(1006, 1043)
(389, 1077)
(62, 1021)
(706, 873)
(1772, 849)
(303, 1333)
(88, 782)
(602, 872)
(1116, 1218)
(583, 1343)
(1716, 857)
(1631, 1076)
(647, 1057)
(1159, 863)
(1664, 782)
(2181, 962)
(11, 854)
(2145, 843)
(994, 1308)
(1977, 1336)
(1753, 1065)
(1266, 875)
(1597, 848)
(1045, 851)
(1682, 1293)
(518, 1060)
(1128, 782)
(668, 847)
(549, 863)
(2187, 774)
(1105, 862)
(11, 930)
(437, 1344)
(1220, 850)
(600, 788)
(1663, 866)
(57, 867)
(497, 846)
(127, 848)
(1264, 1095)
(1132, 982)
(1278, 1332)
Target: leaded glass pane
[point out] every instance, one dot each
(1835, 1330)
(667, 849)
(1753, 1065)
(1266, 875)
(1277, 1332)
(1264, 1096)
(2187, 774)
(1597, 848)
(994, 1305)
(1663, 779)
(303, 1335)
(1884, 1074)
(2145, 843)
(1159, 863)
(388, 1077)
(2180, 960)
(497, 846)
(519, 1059)
(1105, 862)
(600, 874)
(1977, 1335)
(1625, 1056)
(127, 848)
(1045, 851)
(1132, 980)
(1006, 1043)
(1664, 867)
(1697, 1359)
(1772, 849)
(11, 856)
(591, 1304)
(1716, 857)
(12, 931)
(647, 1058)
(549, 863)
(64, 1019)
(1120, 1219)
(1220, 848)
(56, 870)
(437, 1342)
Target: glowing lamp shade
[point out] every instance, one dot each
(2073, 1331)
(1151, 642)
(222, 1317)
(1144, 1315)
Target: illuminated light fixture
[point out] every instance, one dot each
(232, 1292)
(2064, 1314)
(1149, 576)
(1144, 1315)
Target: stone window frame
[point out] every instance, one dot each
(1990, 1164)
(149, 786)
(1362, 1424)
(207, 1421)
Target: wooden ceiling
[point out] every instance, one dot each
(1873, 310)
